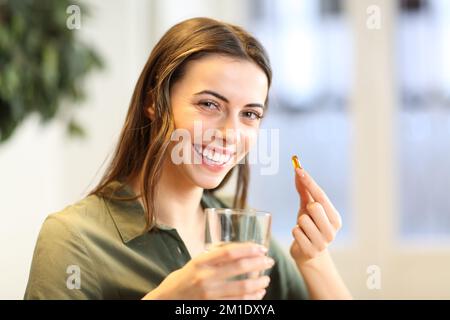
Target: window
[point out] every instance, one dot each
(308, 104)
(424, 122)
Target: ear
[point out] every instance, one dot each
(150, 112)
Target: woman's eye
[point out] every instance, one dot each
(252, 115)
(209, 105)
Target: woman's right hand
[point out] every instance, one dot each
(207, 275)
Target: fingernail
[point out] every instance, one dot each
(301, 172)
(269, 261)
(262, 249)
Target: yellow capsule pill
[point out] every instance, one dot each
(296, 162)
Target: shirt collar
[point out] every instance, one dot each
(129, 216)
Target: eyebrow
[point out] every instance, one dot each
(221, 97)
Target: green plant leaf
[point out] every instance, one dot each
(42, 63)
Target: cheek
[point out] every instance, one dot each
(182, 120)
(248, 139)
(187, 123)
(190, 119)
(184, 113)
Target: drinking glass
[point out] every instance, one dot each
(225, 226)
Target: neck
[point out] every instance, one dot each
(177, 199)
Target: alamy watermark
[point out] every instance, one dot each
(373, 21)
(373, 281)
(73, 21)
(74, 279)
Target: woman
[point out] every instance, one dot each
(140, 232)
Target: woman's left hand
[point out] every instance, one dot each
(318, 221)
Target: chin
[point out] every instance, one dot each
(206, 180)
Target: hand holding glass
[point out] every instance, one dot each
(224, 226)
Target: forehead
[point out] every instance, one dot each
(232, 77)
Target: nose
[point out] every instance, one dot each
(229, 131)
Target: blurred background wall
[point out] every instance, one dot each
(361, 93)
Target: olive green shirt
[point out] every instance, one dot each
(98, 248)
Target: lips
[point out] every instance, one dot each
(214, 156)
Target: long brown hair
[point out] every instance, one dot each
(143, 142)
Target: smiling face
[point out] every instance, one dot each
(219, 101)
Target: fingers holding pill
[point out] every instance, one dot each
(305, 196)
(317, 221)
(307, 225)
(318, 216)
(310, 191)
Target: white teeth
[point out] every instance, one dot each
(210, 155)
